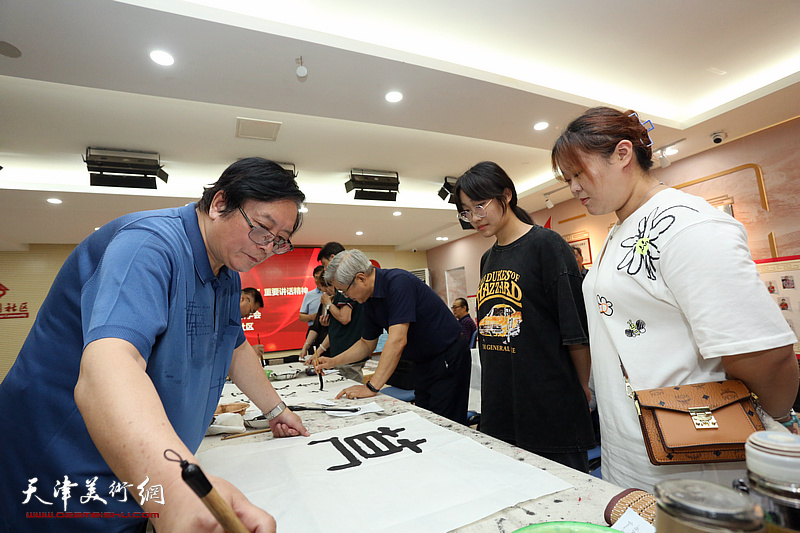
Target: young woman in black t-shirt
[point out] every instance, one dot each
(531, 325)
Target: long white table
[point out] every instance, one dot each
(584, 502)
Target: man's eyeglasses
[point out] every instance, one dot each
(344, 292)
(479, 211)
(263, 236)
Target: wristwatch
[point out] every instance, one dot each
(277, 410)
(371, 387)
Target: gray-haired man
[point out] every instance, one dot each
(421, 329)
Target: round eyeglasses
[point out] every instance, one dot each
(263, 236)
(479, 211)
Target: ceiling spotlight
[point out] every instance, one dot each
(9, 50)
(667, 150)
(373, 184)
(55, 201)
(303, 209)
(446, 191)
(359, 233)
(397, 213)
(442, 238)
(539, 126)
(394, 96)
(124, 168)
(162, 58)
(301, 71)
(548, 202)
(289, 168)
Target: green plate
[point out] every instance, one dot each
(562, 527)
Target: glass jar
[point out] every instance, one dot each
(693, 506)
(773, 475)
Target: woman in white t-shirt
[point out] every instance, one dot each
(658, 300)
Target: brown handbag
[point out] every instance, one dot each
(697, 423)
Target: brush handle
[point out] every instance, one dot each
(223, 513)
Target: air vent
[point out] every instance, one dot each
(423, 274)
(251, 128)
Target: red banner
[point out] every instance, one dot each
(283, 281)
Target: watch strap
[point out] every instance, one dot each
(275, 411)
(371, 387)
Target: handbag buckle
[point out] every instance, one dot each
(703, 418)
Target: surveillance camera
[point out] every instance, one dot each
(718, 136)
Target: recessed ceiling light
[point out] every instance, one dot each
(671, 151)
(9, 50)
(359, 233)
(162, 58)
(53, 201)
(442, 238)
(97, 228)
(303, 209)
(539, 126)
(397, 213)
(394, 96)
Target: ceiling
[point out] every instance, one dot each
(476, 76)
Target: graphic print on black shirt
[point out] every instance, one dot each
(503, 319)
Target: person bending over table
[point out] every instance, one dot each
(421, 329)
(128, 356)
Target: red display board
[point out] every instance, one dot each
(283, 281)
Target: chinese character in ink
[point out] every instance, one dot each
(66, 487)
(369, 445)
(30, 490)
(155, 493)
(118, 487)
(91, 492)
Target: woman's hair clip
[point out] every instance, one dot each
(648, 125)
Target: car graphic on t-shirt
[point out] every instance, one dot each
(501, 321)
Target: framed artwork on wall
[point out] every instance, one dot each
(586, 250)
(780, 275)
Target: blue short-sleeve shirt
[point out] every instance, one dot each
(144, 278)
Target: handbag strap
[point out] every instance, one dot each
(628, 387)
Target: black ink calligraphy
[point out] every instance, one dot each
(370, 445)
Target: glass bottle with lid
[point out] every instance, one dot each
(695, 506)
(773, 475)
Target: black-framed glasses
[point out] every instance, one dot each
(479, 211)
(344, 292)
(262, 237)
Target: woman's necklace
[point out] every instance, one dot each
(617, 223)
(645, 195)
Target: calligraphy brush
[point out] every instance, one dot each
(245, 434)
(345, 409)
(199, 483)
(316, 361)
